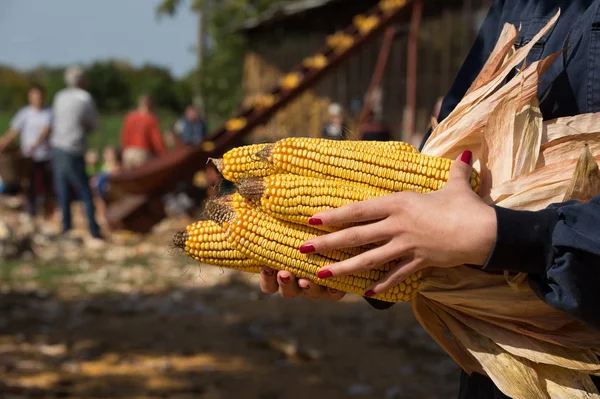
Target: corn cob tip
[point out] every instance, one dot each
(265, 153)
(218, 163)
(219, 210)
(251, 188)
(180, 238)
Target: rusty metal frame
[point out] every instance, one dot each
(411, 70)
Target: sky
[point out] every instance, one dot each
(60, 32)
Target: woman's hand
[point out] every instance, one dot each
(289, 286)
(444, 228)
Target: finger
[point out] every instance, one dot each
(395, 276)
(268, 281)
(461, 170)
(365, 261)
(288, 285)
(347, 238)
(363, 211)
(313, 290)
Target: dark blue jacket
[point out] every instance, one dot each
(560, 246)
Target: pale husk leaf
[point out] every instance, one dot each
(499, 57)
(528, 137)
(503, 368)
(564, 383)
(586, 179)
(564, 148)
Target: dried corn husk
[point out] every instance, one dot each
(495, 324)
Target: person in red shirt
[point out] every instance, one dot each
(141, 138)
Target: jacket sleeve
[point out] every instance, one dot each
(559, 247)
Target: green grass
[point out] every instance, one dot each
(110, 127)
(46, 274)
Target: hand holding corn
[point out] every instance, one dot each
(377, 199)
(445, 228)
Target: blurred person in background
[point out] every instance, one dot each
(141, 138)
(33, 123)
(334, 129)
(74, 118)
(191, 128)
(92, 162)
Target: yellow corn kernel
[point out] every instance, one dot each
(205, 242)
(295, 198)
(407, 170)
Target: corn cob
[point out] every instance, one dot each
(394, 170)
(295, 198)
(244, 161)
(274, 243)
(205, 242)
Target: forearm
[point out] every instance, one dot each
(559, 248)
(8, 138)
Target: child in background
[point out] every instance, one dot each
(91, 163)
(111, 164)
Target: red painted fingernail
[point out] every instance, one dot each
(307, 248)
(369, 293)
(333, 290)
(466, 157)
(315, 221)
(284, 279)
(268, 272)
(324, 274)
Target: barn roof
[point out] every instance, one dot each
(283, 11)
(304, 12)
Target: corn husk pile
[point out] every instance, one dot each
(495, 324)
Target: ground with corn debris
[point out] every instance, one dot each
(136, 320)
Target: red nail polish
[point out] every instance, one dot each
(466, 157)
(369, 293)
(324, 274)
(315, 221)
(307, 248)
(285, 279)
(268, 272)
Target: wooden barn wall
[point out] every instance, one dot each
(443, 44)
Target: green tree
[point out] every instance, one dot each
(13, 90)
(221, 73)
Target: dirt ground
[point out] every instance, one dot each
(134, 319)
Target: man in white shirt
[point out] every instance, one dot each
(33, 123)
(74, 117)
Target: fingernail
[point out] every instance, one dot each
(307, 286)
(307, 248)
(466, 157)
(268, 272)
(333, 290)
(369, 293)
(324, 274)
(315, 221)
(284, 279)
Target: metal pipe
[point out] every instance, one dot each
(411, 70)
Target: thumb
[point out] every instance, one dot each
(460, 171)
